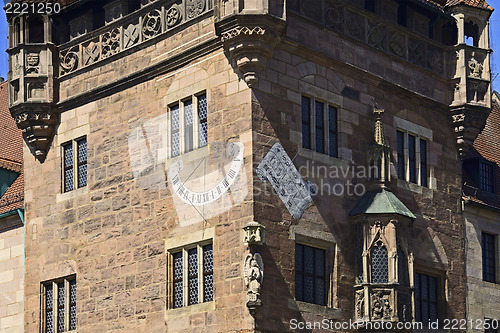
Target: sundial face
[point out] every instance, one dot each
(203, 183)
(208, 182)
(206, 179)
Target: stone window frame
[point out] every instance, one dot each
(328, 132)
(74, 143)
(496, 256)
(196, 126)
(420, 133)
(183, 243)
(55, 304)
(328, 242)
(440, 278)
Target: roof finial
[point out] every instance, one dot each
(379, 128)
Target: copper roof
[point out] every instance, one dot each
(11, 154)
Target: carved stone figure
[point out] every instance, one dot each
(360, 304)
(476, 68)
(253, 274)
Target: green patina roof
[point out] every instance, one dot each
(381, 201)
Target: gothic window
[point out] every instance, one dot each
(489, 257)
(59, 305)
(188, 124)
(486, 176)
(74, 164)
(319, 126)
(379, 264)
(310, 274)
(191, 276)
(35, 29)
(412, 158)
(426, 297)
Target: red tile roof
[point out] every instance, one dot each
(486, 146)
(472, 3)
(11, 154)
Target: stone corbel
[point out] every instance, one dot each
(38, 124)
(249, 41)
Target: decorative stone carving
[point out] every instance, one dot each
(397, 44)
(476, 68)
(253, 276)
(360, 304)
(194, 7)
(254, 233)
(110, 43)
(416, 52)
(115, 10)
(32, 63)
(381, 308)
(376, 35)
(17, 65)
(37, 122)
(435, 60)
(174, 16)
(334, 17)
(69, 60)
(91, 53)
(130, 35)
(278, 169)
(355, 24)
(227, 35)
(151, 24)
(80, 25)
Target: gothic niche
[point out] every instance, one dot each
(36, 90)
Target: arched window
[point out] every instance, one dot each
(35, 28)
(471, 31)
(379, 259)
(17, 33)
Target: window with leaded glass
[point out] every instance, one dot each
(379, 264)
(74, 155)
(310, 274)
(59, 305)
(486, 176)
(191, 275)
(426, 294)
(412, 157)
(188, 124)
(319, 126)
(489, 257)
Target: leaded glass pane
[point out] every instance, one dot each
(188, 126)
(306, 122)
(193, 275)
(202, 106)
(320, 291)
(332, 135)
(60, 305)
(379, 259)
(175, 117)
(423, 162)
(489, 257)
(188, 112)
(299, 278)
(320, 127)
(208, 258)
(412, 158)
(49, 304)
(68, 155)
(203, 134)
(82, 175)
(82, 150)
(68, 180)
(178, 280)
(309, 289)
(209, 288)
(72, 310)
(401, 157)
(319, 262)
(308, 260)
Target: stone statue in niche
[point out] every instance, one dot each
(476, 68)
(360, 304)
(253, 274)
(380, 306)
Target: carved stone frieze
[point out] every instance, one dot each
(360, 304)
(32, 63)
(381, 306)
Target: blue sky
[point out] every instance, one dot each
(494, 43)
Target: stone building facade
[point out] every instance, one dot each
(482, 212)
(11, 220)
(246, 166)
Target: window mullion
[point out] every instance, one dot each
(417, 161)
(196, 124)
(55, 306)
(75, 164)
(406, 157)
(326, 129)
(200, 274)
(182, 141)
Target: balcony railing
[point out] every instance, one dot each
(159, 18)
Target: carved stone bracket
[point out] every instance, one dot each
(38, 123)
(468, 121)
(250, 41)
